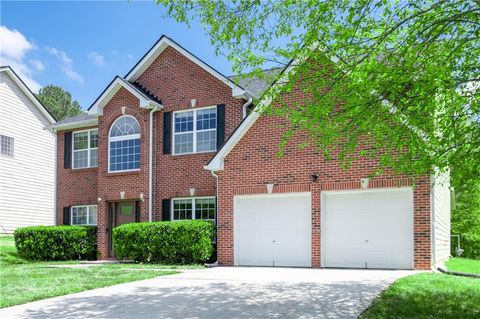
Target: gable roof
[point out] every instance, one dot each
(268, 94)
(46, 113)
(165, 42)
(147, 100)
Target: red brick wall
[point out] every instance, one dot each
(175, 80)
(253, 163)
(74, 186)
(133, 183)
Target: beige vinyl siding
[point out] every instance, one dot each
(441, 218)
(27, 178)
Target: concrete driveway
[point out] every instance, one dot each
(224, 293)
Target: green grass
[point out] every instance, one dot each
(428, 295)
(22, 281)
(471, 266)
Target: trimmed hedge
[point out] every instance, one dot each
(178, 242)
(49, 243)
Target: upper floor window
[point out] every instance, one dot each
(6, 145)
(85, 149)
(195, 131)
(124, 145)
(84, 215)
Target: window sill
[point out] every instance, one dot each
(135, 172)
(84, 169)
(187, 154)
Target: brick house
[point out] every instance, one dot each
(207, 159)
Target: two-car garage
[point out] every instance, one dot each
(370, 228)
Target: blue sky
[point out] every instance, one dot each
(81, 46)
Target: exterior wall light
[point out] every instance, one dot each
(314, 178)
(269, 188)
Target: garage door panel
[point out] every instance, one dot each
(273, 230)
(371, 229)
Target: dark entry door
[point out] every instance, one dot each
(121, 213)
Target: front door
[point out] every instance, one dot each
(121, 213)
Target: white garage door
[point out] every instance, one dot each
(368, 229)
(273, 230)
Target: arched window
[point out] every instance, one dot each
(124, 145)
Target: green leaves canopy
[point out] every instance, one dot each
(58, 102)
(405, 73)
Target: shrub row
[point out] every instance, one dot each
(49, 243)
(178, 242)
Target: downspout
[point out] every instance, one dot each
(150, 163)
(216, 217)
(247, 104)
(55, 179)
(433, 222)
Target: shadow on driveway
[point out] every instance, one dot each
(186, 296)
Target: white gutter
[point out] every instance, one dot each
(154, 109)
(73, 125)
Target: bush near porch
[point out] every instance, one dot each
(177, 242)
(53, 243)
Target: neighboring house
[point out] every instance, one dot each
(208, 160)
(27, 158)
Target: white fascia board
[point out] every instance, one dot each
(113, 88)
(28, 93)
(73, 125)
(165, 42)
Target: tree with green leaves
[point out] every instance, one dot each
(406, 73)
(58, 102)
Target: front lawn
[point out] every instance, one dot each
(428, 295)
(466, 265)
(22, 281)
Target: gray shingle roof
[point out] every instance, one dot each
(256, 85)
(77, 118)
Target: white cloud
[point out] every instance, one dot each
(97, 58)
(13, 44)
(13, 48)
(37, 64)
(130, 56)
(66, 64)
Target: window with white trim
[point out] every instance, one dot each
(202, 208)
(195, 131)
(85, 149)
(84, 215)
(124, 145)
(6, 145)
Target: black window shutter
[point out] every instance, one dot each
(67, 150)
(220, 125)
(167, 132)
(66, 215)
(166, 209)
(137, 211)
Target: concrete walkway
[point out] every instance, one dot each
(248, 292)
